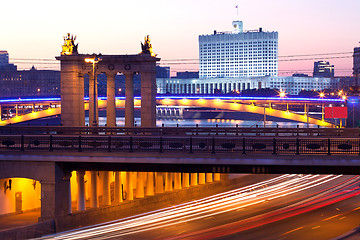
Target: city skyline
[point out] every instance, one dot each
(35, 30)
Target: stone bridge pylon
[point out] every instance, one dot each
(73, 68)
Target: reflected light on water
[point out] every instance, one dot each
(120, 121)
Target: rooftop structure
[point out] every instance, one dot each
(323, 69)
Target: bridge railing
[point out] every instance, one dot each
(233, 145)
(181, 131)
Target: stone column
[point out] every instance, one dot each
(140, 185)
(129, 186)
(81, 190)
(201, 178)
(55, 192)
(194, 179)
(110, 103)
(118, 190)
(209, 177)
(150, 184)
(177, 181)
(159, 182)
(93, 95)
(94, 195)
(106, 188)
(148, 99)
(71, 89)
(81, 102)
(129, 99)
(216, 177)
(168, 182)
(185, 180)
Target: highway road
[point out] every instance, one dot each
(285, 207)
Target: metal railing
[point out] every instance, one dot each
(181, 131)
(181, 144)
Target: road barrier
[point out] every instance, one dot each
(182, 144)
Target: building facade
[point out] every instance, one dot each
(238, 53)
(356, 68)
(31, 82)
(323, 69)
(4, 62)
(291, 85)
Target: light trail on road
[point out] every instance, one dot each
(235, 200)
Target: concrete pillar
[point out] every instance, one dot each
(80, 99)
(159, 182)
(201, 178)
(209, 177)
(224, 176)
(106, 188)
(216, 177)
(168, 182)
(194, 179)
(17, 110)
(118, 189)
(81, 190)
(93, 95)
(129, 99)
(71, 84)
(110, 104)
(177, 180)
(186, 180)
(148, 98)
(150, 184)
(0, 113)
(94, 195)
(140, 185)
(129, 186)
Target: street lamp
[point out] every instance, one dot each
(282, 93)
(94, 61)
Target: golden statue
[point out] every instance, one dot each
(69, 47)
(146, 47)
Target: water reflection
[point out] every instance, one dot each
(120, 121)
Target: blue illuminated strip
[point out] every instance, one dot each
(29, 100)
(285, 99)
(252, 98)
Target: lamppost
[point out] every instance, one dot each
(96, 59)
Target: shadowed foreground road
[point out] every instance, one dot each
(286, 207)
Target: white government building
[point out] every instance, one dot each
(238, 53)
(240, 60)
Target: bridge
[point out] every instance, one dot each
(296, 109)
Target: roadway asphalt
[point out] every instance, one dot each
(289, 207)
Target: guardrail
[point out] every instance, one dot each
(181, 144)
(181, 131)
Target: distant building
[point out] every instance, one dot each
(356, 68)
(162, 72)
(4, 62)
(291, 85)
(323, 69)
(238, 53)
(29, 83)
(187, 75)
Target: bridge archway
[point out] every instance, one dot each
(237, 106)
